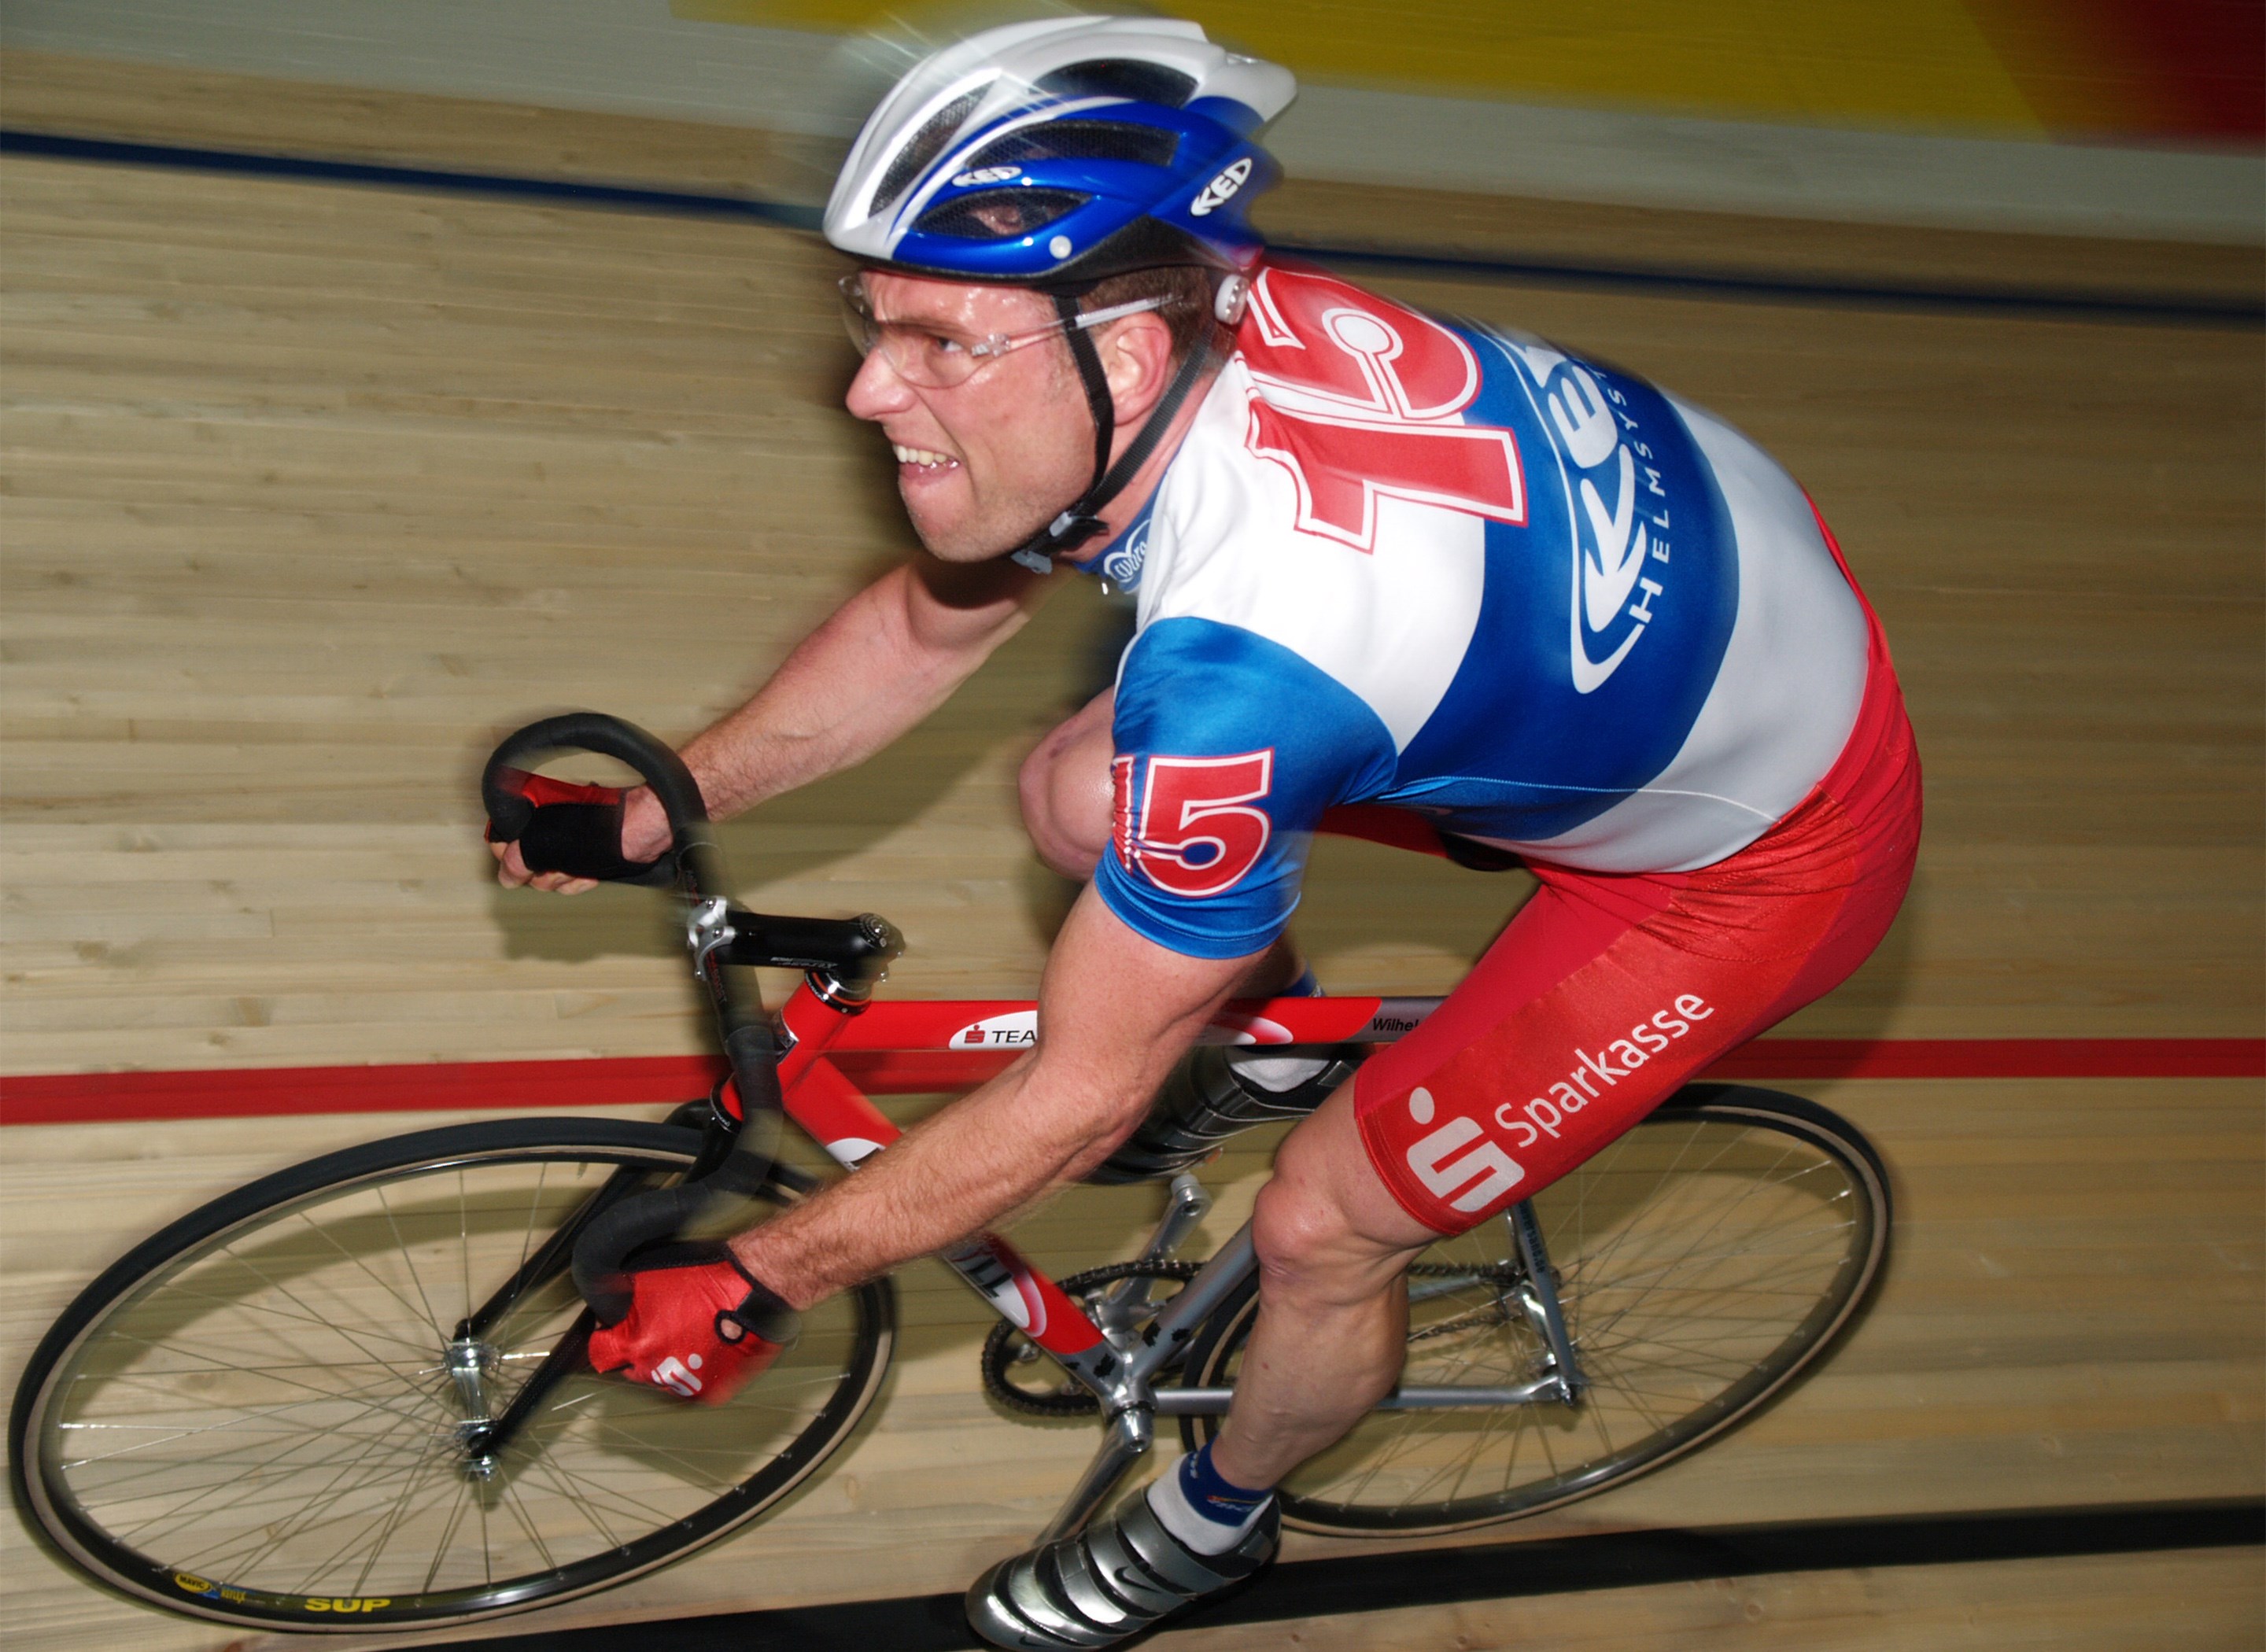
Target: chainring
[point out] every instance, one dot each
(1003, 1346)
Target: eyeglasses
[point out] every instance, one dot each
(937, 359)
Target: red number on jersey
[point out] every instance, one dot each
(1362, 390)
(1315, 335)
(1192, 833)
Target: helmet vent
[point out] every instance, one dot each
(1082, 141)
(925, 146)
(1000, 214)
(1121, 77)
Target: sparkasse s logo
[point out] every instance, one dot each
(1221, 190)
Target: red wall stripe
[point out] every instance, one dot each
(111, 1097)
(2204, 62)
(1996, 1058)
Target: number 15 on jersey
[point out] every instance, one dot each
(1193, 831)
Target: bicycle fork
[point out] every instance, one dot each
(1133, 1403)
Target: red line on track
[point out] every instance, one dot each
(112, 1097)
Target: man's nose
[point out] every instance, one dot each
(877, 392)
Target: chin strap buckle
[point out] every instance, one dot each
(1066, 532)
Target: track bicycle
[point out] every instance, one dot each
(353, 1395)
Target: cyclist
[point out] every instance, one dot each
(1535, 604)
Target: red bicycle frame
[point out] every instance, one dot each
(840, 1051)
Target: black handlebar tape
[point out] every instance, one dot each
(605, 1244)
(659, 767)
(660, 1214)
(603, 1249)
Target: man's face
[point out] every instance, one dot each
(982, 465)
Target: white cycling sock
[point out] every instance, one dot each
(1276, 1073)
(1173, 1499)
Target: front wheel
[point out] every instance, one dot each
(1703, 1260)
(260, 1414)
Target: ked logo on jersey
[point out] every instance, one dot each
(1620, 510)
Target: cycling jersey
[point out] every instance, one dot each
(1433, 566)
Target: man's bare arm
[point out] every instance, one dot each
(1116, 1012)
(879, 663)
(884, 661)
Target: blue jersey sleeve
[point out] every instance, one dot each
(1229, 749)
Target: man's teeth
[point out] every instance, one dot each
(918, 455)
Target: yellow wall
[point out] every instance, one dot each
(1911, 63)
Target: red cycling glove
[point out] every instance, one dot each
(699, 1325)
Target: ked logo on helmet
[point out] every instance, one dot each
(1221, 190)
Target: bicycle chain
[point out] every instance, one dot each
(1492, 1314)
(1069, 1401)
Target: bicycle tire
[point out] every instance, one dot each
(284, 1492)
(1721, 1166)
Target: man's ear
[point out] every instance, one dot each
(1137, 359)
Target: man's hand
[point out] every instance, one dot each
(699, 1325)
(644, 836)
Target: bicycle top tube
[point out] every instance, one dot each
(947, 1043)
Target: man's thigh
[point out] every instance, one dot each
(1590, 1011)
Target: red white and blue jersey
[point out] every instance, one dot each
(1404, 561)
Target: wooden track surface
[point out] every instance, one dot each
(312, 491)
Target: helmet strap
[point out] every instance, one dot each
(1083, 520)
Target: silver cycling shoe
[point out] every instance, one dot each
(1123, 1574)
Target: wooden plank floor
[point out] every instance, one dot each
(311, 490)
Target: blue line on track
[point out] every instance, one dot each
(2161, 308)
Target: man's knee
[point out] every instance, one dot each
(1063, 787)
(1325, 1224)
(1296, 1235)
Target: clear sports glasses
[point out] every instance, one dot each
(938, 360)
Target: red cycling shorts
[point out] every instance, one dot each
(1608, 991)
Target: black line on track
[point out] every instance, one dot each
(1492, 1571)
(2159, 308)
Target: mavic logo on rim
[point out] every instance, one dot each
(1221, 190)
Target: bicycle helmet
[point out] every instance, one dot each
(1056, 154)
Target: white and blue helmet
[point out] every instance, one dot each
(1058, 153)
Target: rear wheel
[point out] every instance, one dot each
(1704, 1260)
(259, 1414)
